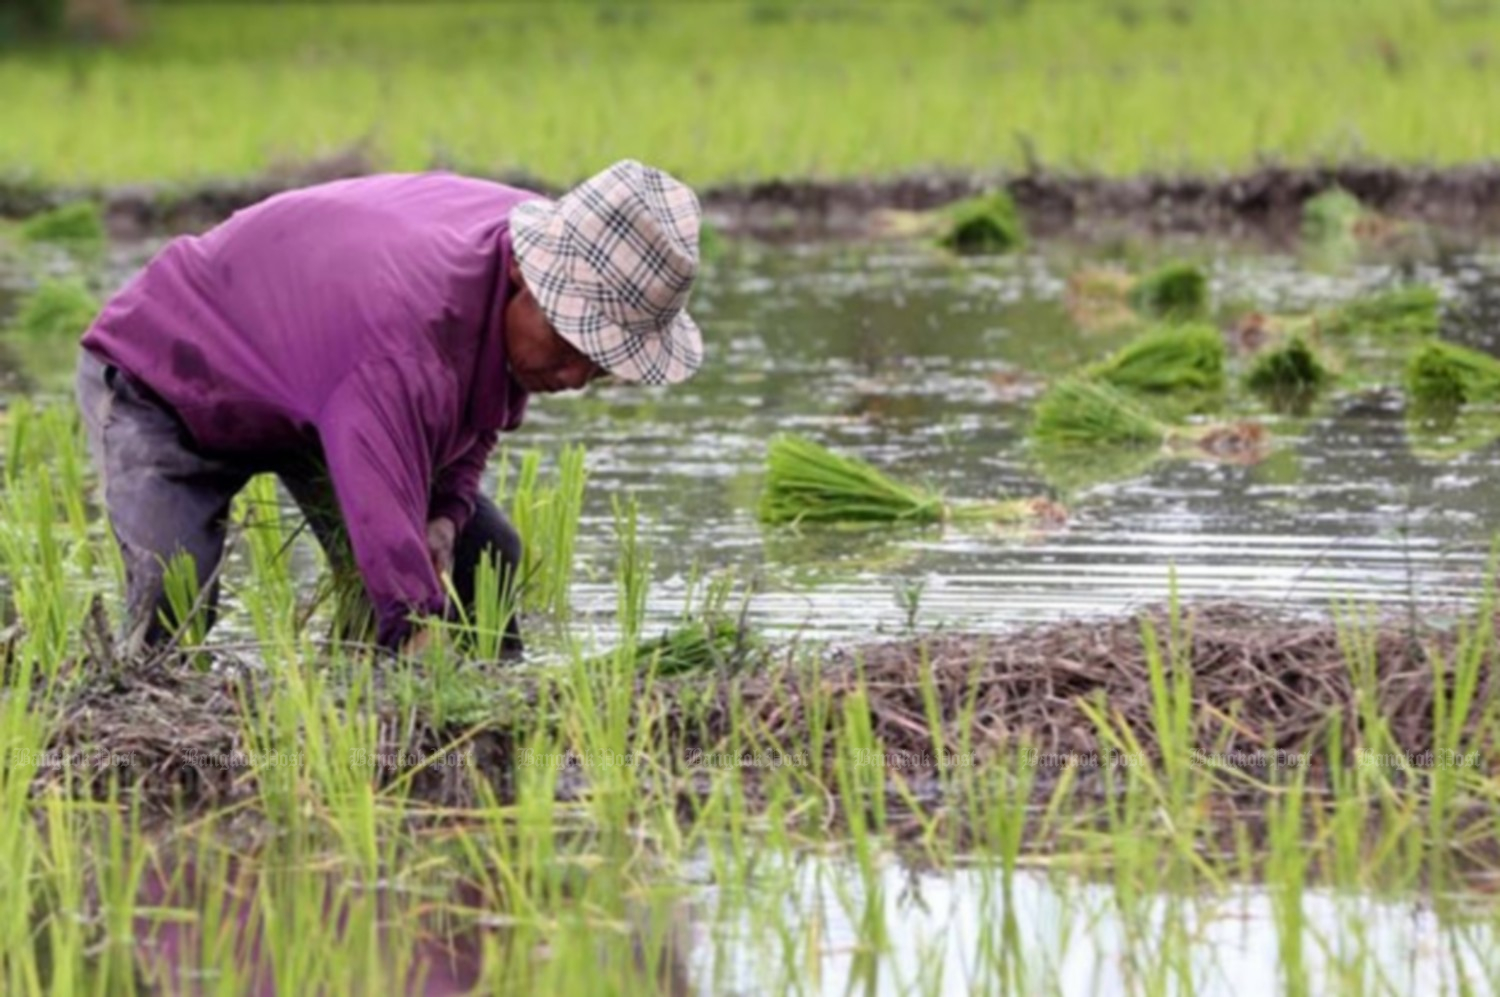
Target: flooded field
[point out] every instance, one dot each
(926, 366)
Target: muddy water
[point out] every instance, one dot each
(912, 360)
(944, 933)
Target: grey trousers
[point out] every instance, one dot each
(164, 496)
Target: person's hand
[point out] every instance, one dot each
(416, 644)
(441, 535)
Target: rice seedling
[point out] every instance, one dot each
(808, 483)
(1084, 413)
(1444, 374)
(1414, 310)
(1082, 421)
(1293, 367)
(1336, 221)
(77, 224)
(1176, 292)
(712, 643)
(546, 517)
(1174, 359)
(982, 225)
(57, 308)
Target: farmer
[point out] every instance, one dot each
(365, 340)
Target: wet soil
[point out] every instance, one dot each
(1265, 202)
(1271, 694)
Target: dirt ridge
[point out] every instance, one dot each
(1263, 201)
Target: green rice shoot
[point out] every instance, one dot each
(1331, 219)
(806, 482)
(716, 643)
(75, 224)
(1291, 367)
(981, 225)
(56, 308)
(1077, 412)
(1168, 360)
(1412, 310)
(1446, 374)
(1176, 292)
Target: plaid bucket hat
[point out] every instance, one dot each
(611, 264)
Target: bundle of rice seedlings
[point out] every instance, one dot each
(1185, 358)
(1078, 415)
(1292, 367)
(711, 243)
(57, 308)
(77, 223)
(986, 224)
(1177, 291)
(1337, 221)
(1085, 413)
(1411, 310)
(1331, 217)
(1445, 374)
(714, 644)
(806, 482)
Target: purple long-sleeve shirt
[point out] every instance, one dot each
(366, 316)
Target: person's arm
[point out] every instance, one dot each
(377, 441)
(457, 484)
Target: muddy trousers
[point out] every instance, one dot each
(164, 496)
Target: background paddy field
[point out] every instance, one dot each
(740, 91)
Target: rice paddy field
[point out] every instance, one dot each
(1101, 613)
(743, 91)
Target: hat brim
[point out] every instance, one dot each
(664, 356)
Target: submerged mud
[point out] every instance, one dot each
(1263, 202)
(1270, 696)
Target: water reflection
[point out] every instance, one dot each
(910, 360)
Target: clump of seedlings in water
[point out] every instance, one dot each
(56, 308)
(987, 224)
(1176, 292)
(1172, 360)
(808, 483)
(78, 224)
(1448, 375)
(1079, 414)
(1412, 310)
(1290, 368)
(1337, 220)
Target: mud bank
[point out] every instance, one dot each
(1268, 695)
(1263, 203)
